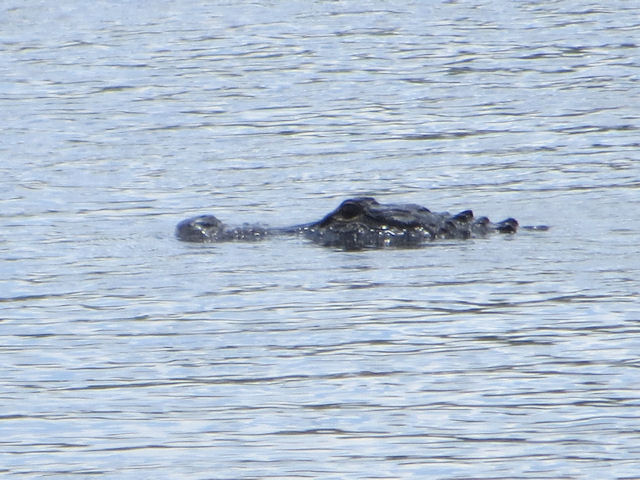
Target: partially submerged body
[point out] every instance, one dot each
(359, 223)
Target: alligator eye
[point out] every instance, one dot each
(349, 210)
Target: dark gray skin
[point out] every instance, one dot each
(359, 223)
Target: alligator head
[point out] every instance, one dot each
(359, 223)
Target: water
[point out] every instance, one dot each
(128, 354)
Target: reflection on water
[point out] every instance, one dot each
(127, 353)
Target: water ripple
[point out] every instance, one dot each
(127, 353)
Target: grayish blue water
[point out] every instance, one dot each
(127, 354)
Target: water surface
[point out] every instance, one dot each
(128, 354)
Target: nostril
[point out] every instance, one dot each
(207, 222)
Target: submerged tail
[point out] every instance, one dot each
(536, 228)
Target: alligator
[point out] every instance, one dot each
(359, 223)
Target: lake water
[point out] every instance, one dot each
(127, 354)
